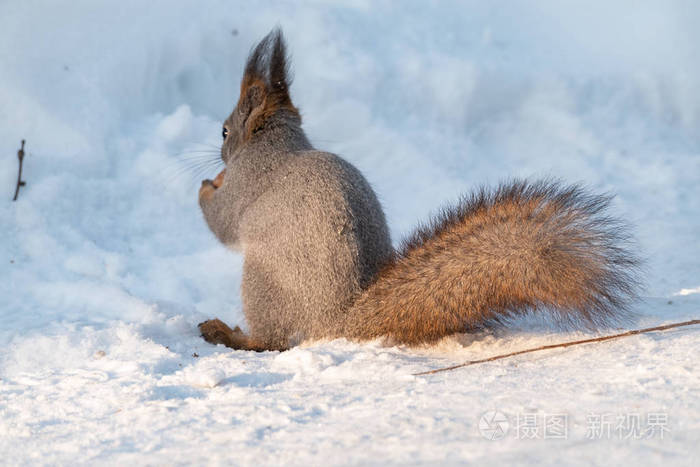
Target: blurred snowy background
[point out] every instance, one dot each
(106, 265)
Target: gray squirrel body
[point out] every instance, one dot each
(318, 260)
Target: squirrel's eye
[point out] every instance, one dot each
(224, 132)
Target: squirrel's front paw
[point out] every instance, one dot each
(219, 180)
(206, 191)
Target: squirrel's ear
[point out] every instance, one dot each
(279, 69)
(265, 85)
(252, 97)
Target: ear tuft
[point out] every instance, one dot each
(255, 68)
(267, 68)
(279, 69)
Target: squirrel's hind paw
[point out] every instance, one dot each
(216, 331)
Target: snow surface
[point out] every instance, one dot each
(106, 265)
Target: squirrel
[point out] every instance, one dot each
(319, 262)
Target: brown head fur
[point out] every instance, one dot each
(265, 83)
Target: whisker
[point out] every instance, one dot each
(200, 143)
(197, 168)
(201, 148)
(197, 160)
(197, 153)
(176, 171)
(192, 170)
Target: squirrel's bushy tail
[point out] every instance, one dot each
(519, 248)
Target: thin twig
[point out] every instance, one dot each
(20, 182)
(564, 344)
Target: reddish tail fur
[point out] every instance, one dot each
(520, 248)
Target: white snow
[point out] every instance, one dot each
(688, 291)
(106, 265)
